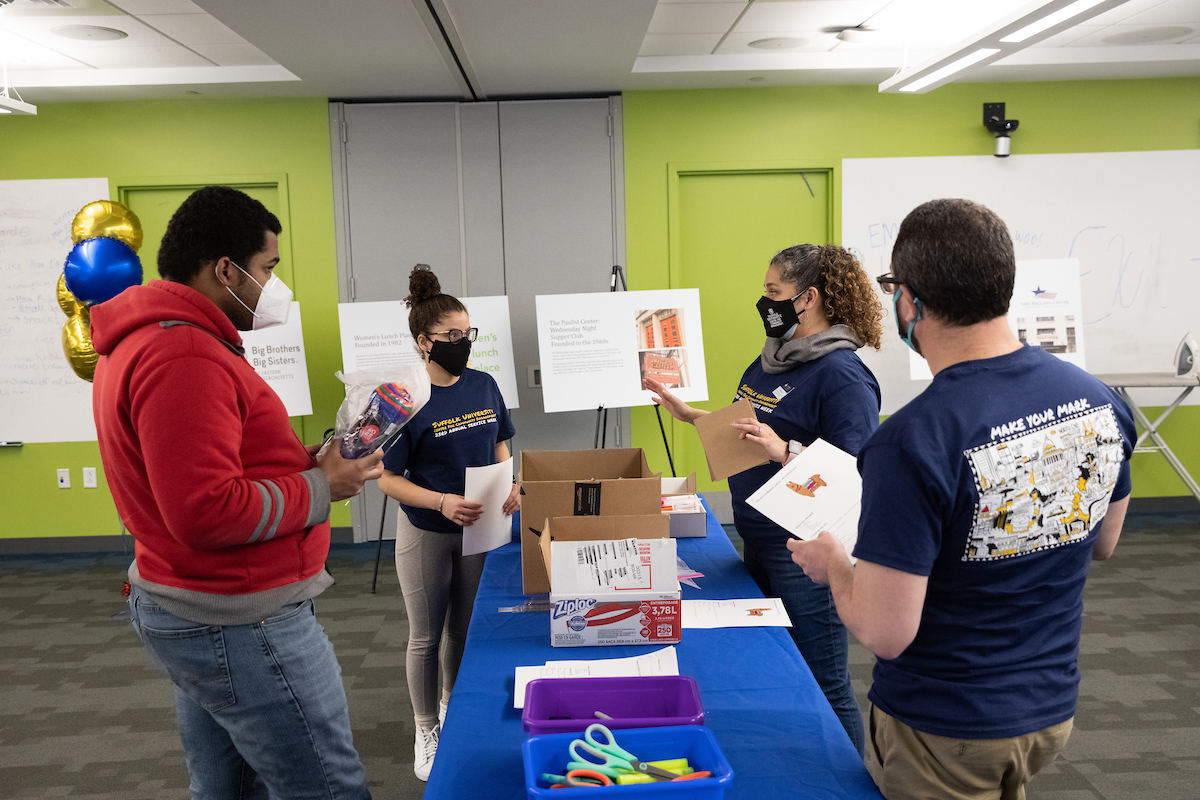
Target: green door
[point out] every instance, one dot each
(730, 225)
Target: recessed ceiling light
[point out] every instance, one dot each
(89, 33)
(778, 43)
(1149, 35)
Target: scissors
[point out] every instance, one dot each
(614, 758)
(577, 777)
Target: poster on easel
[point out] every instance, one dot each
(596, 349)
(1046, 311)
(277, 355)
(376, 334)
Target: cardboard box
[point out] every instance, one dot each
(586, 616)
(563, 483)
(684, 524)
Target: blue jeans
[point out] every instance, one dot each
(816, 628)
(261, 707)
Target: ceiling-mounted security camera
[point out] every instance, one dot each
(994, 121)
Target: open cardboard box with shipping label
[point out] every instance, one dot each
(584, 615)
(684, 524)
(564, 483)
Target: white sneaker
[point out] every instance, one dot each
(442, 705)
(424, 749)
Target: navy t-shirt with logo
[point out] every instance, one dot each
(459, 427)
(834, 397)
(993, 483)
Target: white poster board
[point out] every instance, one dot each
(376, 334)
(1046, 311)
(41, 398)
(277, 355)
(596, 348)
(1130, 219)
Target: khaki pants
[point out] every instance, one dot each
(911, 765)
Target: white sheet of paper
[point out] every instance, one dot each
(820, 490)
(751, 612)
(490, 486)
(660, 662)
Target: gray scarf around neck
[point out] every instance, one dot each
(780, 355)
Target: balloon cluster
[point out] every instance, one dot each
(102, 264)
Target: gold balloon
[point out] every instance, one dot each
(77, 344)
(107, 218)
(69, 304)
(77, 332)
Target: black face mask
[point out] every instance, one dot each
(451, 357)
(779, 316)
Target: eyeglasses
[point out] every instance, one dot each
(455, 335)
(889, 282)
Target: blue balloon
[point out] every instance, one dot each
(100, 269)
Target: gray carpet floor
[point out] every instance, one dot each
(84, 715)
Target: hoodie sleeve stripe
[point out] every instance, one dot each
(266, 512)
(277, 496)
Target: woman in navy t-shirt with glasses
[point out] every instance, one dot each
(464, 424)
(818, 307)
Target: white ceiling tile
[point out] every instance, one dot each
(1124, 11)
(41, 29)
(679, 44)
(809, 15)
(1070, 35)
(134, 57)
(22, 54)
(139, 7)
(233, 55)
(695, 17)
(192, 29)
(1170, 12)
(1096, 38)
(816, 42)
(77, 8)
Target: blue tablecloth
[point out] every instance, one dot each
(760, 699)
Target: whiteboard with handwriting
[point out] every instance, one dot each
(41, 399)
(1131, 219)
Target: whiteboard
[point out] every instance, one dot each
(1131, 219)
(41, 399)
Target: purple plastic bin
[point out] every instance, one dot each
(548, 754)
(568, 705)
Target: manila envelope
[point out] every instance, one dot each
(728, 453)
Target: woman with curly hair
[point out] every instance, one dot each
(818, 307)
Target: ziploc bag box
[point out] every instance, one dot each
(684, 524)
(563, 483)
(586, 613)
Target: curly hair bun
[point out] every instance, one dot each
(422, 285)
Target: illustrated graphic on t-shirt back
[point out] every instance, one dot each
(1043, 486)
(809, 487)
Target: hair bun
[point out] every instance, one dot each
(422, 285)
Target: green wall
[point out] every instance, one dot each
(184, 143)
(815, 127)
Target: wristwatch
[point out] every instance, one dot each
(794, 447)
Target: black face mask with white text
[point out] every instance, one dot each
(779, 316)
(451, 357)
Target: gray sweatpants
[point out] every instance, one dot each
(439, 586)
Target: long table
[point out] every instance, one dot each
(760, 699)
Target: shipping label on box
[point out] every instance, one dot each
(610, 590)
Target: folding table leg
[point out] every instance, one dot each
(1150, 430)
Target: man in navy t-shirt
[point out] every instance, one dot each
(984, 500)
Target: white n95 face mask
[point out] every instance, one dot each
(274, 301)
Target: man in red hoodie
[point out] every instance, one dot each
(229, 510)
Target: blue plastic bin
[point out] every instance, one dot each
(696, 743)
(568, 705)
